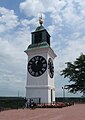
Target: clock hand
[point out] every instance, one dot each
(36, 62)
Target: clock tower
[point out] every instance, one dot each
(40, 69)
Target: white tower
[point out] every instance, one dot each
(40, 70)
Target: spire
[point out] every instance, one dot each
(40, 20)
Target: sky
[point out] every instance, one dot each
(65, 22)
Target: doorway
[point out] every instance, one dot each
(51, 95)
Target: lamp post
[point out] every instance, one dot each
(63, 88)
(18, 100)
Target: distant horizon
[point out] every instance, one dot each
(25, 97)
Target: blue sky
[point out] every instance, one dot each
(63, 19)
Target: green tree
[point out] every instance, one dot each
(75, 72)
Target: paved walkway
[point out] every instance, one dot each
(75, 112)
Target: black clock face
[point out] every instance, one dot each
(50, 67)
(37, 66)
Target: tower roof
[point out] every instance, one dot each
(40, 37)
(39, 28)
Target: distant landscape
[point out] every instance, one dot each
(19, 102)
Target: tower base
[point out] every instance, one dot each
(40, 94)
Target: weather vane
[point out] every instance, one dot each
(40, 20)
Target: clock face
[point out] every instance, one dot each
(50, 67)
(37, 66)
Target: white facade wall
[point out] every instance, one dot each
(40, 87)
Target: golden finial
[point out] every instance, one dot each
(40, 20)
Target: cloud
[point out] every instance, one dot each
(74, 47)
(32, 8)
(12, 57)
(64, 20)
(67, 28)
(12, 67)
(69, 54)
(8, 19)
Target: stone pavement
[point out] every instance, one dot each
(75, 112)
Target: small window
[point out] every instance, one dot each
(48, 39)
(38, 37)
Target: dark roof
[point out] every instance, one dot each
(39, 45)
(39, 28)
